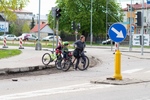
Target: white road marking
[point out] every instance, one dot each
(132, 71)
(66, 89)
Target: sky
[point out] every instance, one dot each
(46, 6)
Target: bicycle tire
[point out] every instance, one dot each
(83, 65)
(65, 65)
(46, 59)
(58, 63)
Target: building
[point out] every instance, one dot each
(130, 16)
(45, 30)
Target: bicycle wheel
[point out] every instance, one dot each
(83, 64)
(65, 65)
(58, 62)
(46, 59)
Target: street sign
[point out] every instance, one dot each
(4, 26)
(117, 32)
(148, 1)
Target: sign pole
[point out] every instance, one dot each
(117, 33)
(142, 29)
(117, 74)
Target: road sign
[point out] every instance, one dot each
(117, 32)
(148, 1)
(4, 26)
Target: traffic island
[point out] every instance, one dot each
(125, 81)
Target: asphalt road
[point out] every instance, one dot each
(75, 85)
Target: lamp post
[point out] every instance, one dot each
(38, 44)
(91, 39)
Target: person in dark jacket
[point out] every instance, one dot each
(79, 49)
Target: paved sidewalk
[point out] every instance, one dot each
(30, 59)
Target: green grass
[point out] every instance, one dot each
(5, 53)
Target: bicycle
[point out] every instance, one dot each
(52, 57)
(67, 63)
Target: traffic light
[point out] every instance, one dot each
(58, 13)
(73, 26)
(78, 26)
(138, 18)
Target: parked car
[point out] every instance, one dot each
(9, 37)
(108, 42)
(50, 38)
(2, 36)
(27, 37)
(30, 37)
(21, 36)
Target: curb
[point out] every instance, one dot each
(126, 81)
(24, 69)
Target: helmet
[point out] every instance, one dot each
(66, 43)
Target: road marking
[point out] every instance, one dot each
(66, 89)
(132, 71)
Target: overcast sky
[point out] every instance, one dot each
(46, 6)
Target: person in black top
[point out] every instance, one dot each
(79, 49)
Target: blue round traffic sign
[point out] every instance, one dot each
(117, 32)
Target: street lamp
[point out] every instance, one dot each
(38, 44)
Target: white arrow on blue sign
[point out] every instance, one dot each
(117, 32)
(148, 1)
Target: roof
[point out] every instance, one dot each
(23, 11)
(35, 28)
(137, 6)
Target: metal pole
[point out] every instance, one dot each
(91, 39)
(142, 28)
(57, 32)
(53, 32)
(130, 42)
(106, 18)
(38, 44)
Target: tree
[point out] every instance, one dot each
(80, 10)
(12, 28)
(32, 23)
(8, 6)
(25, 28)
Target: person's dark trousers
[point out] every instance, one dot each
(78, 59)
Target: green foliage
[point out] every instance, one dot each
(32, 23)
(25, 28)
(8, 53)
(80, 11)
(8, 6)
(12, 28)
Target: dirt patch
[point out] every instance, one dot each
(49, 70)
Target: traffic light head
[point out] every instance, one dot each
(73, 26)
(79, 26)
(138, 19)
(58, 13)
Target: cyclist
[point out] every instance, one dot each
(65, 49)
(58, 50)
(79, 48)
